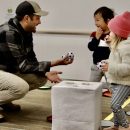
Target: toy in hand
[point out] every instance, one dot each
(69, 56)
(100, 64)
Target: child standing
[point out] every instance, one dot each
(118, 68)
(101, 16)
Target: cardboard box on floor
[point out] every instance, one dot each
(76, 105)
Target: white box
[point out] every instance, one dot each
(76, 105)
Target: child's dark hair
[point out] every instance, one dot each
(106, 13)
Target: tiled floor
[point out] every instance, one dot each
(106, 111)
(36, 106)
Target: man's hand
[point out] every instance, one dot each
(66, 60)
(53, 76)
(63, 61)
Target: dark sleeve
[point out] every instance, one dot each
(25, 57)
(93, 43)
(30, 64)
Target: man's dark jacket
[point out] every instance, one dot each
(16, 50)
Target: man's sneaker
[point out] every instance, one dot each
(10, 107)
(2, 118)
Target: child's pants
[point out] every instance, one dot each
(119, 94)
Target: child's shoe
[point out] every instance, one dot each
(122, 128)
(111, 128)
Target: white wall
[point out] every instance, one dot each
(49, 47)
(76, 15)
(66, 15)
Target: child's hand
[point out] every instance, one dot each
(107, 39)
(105, 66)
(99, 32)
